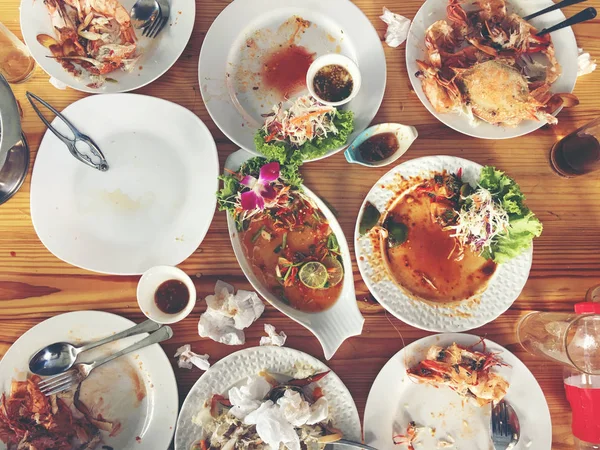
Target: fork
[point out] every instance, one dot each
(505, 426)
(68, 380)
(164, 10)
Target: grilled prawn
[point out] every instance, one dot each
(464, 370)
(481, 61)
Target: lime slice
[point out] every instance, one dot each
(335, 270)
(313, 274)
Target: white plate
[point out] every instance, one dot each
(339, 23)
(332, 326)
(153, 206)
(152, 419)
(503, 289)
(158, 55)
(240, 365)
(395, 400)
(564, 45)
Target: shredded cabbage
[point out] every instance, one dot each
(480, 222)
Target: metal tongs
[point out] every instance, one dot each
(71, 143)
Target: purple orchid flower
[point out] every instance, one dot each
(261, 189)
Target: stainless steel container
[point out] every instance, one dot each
(14, 151)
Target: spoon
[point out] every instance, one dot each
(144, 12)
(59, 357)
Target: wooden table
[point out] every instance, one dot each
(35, 285)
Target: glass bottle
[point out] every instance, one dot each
(16, 63)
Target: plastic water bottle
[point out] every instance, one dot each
(572, 340)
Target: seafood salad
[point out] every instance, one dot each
(464, 370)
(302, 130)
(93, 38)
(490, 65)
(266, 413)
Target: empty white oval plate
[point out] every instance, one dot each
(154, 205)
(564, 45)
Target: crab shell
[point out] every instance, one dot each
(499, 94)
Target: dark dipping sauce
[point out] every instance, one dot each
(379, 147)
(333, 83)
(172, 297)
(285, 69)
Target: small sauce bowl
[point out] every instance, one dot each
(333, 59)
(148, 285)
(405, 136)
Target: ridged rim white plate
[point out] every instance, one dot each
(339, 23)
(247, 363)
(152, 207)
(158, 55)
(564, 44)
(503, 289)
(332, 326)
(395, 400)
(151, 424)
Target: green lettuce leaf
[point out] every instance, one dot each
(523, 225)
(227, 196)
(284, 153)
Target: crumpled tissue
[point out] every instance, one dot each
(275, 422)
(272, 427)
(188, 359)
(248, 398)
(585, 64)
(397, 30)
(273, 337)
(228, 314)
(299, 412)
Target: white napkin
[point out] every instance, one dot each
(228, 314)
(272, 337)
(188, 359)
(246, 399)
(585, 64)
(397, 30)
(299, 412)
(272, 427)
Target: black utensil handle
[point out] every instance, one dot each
(554, 7)
(582, 16)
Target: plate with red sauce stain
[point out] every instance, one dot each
(422, 278)
(136, 393)
(257, 54)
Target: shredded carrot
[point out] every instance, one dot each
(300, 119)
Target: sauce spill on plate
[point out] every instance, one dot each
(285, 69)
(172, 296)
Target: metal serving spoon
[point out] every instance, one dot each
(144, 13)
(59, 357)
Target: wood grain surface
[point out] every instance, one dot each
(35, 285)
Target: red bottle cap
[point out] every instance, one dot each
(587, 308)
(585, 404)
